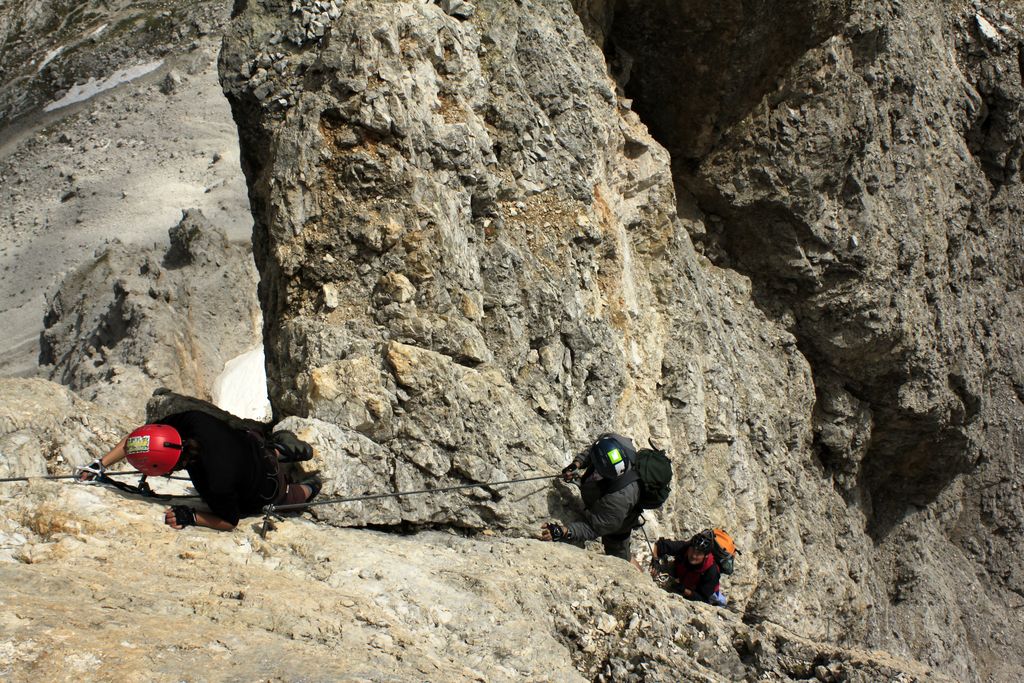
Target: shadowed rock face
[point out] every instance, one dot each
(854, 200)
(871, 197)
(474, 259)
(858, 173)
(694, 70)
(860, 163)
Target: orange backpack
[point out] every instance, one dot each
(724, 550)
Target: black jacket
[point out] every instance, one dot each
(229, 471)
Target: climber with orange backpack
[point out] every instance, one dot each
(699, 564)
(236, 472)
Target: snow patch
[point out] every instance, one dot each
(241, 388)
(98, 31)
(49, 57)
(80, 93)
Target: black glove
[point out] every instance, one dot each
(569, 471)
(291, 448)
(183, 515)
(559, 532)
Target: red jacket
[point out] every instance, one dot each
(702, 579)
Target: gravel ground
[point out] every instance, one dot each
(122, 164)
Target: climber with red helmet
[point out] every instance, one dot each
(235, 472)
(695, 573)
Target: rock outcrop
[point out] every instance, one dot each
(470, 253)
(474, 258)
(46, 429)
(441, 239)
(136, 319)
(357, 604)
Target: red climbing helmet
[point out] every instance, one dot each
(154, 449)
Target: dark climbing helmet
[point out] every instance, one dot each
(609, 457)
(702, 542)
(154, 450)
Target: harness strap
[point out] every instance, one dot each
(274, 476)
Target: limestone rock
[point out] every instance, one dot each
(353, 393)
(878, 221)
(441, 205)
(457, 8)
(46, 429)
(314, 603)
(170, 83)
(137, 319)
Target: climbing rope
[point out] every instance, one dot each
(75, 476)
(272, 510)
(649, 546)
(140, 489)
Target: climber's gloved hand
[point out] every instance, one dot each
(90, 472)
(659, 566)
(179, 516)
(555, 532)
(570, 471)
(291, 448)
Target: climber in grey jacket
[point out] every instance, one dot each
(610, 510)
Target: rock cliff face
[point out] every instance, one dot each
(871, 191)
(453, 247)
(471, 265)
(871, 196)
(474, 258)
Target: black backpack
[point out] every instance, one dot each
(653, 469)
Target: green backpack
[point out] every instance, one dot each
(655, 473)
(653, 470)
